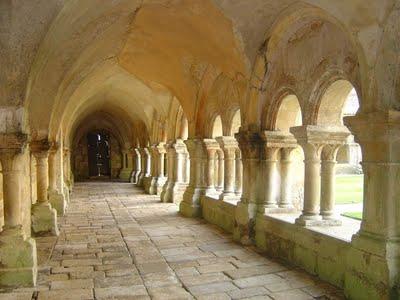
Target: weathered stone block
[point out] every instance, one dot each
(44, 219)
(18, 259)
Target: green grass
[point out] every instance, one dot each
(354, 215)
(349, 189)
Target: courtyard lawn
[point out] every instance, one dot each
(349, 189)
(353, 215)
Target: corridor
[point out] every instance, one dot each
(118, 243)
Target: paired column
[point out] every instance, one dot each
(177, 163)
(219, 171)
(57, 197)
(375, 249)
(44, 217)
(239, 172)
(313, 140)
(143, 166)
(137, 167)
(277, 195)
(67, 169)
(147, 169)
(246, 210)
(286, 177)
(17, 250)
(229, 146)
(328, 174)
(158, 180)
(68, 180)
(211, 147)
(201, 177)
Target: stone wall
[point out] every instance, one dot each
(317, 253)
(116, 158)
(80, 161)
(1, 201)
(220, 213)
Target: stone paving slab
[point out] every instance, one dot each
(116, 242)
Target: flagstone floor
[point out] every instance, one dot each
(118, 243)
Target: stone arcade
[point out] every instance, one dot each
(234, 113)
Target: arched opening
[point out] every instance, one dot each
(341, 100)
(184, 128)
(290, 159)
(99, 154)
(289, 114)
(217, 127)
(236, 123)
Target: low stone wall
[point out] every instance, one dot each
(219, 213)
(319, 254)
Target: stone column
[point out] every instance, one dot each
(328, 165)
(69, 182)
(158, 180)
(273, 142)
(147, 169)
(270, 161)
(57, 199)
(239, 172)
(246, 210)
(127, 165)
(176, 184)
(307, 137)
(229, 145)
(138, 166)
(211, 147)
(374, 253)
(44, 217)
(143, 166)
(190, 206)
(17, 251)
(313, 139)
(286, 178)
(220, 171)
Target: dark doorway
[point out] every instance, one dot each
(99, 154)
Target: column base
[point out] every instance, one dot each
(308, 220)
(156, 185)
(125, 174)
(67, 192)
(133, 177)
(18, 259)
(58, 202)
(317, 220)
(229, 197)
(280, 210)
(245, 215)
(372, 268)
(140, 179)
(44, 219)
(173, 192)
(190, 206)
(212, 192)
(147, 184)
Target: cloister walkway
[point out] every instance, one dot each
(118, 243)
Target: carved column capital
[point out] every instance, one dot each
(314, 138)
(40, 148)
(250, 144)
(377, 133)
